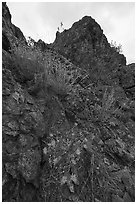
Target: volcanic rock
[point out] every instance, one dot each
(86, 45)
(68, 123)
(11, 35)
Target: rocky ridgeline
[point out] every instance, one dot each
(11, 35)
(68, 131)
(83, 41)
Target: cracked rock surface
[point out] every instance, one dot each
(66, 139)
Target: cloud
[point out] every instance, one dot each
(41, 20)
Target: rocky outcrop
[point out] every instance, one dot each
(127, 79)
(65, 137)
(23, 125)
(11, 35)
(84, 37)
(86, 45)
(41, 45)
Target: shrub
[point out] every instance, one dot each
(30, 61)
(117, 48)
(57, 79)
(27, 60)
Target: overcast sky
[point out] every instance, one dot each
(40, 20)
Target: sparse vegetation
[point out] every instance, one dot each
(118, 48)
(68, 130)
(57, 78)
(30, 61)
(27, 60)
(97, 116)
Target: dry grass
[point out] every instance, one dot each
(27, 59)
(30, 61)
(57, 78)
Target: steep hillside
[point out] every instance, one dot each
(68, 134)
(85, 37)
(11, 35)
(86, 45)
